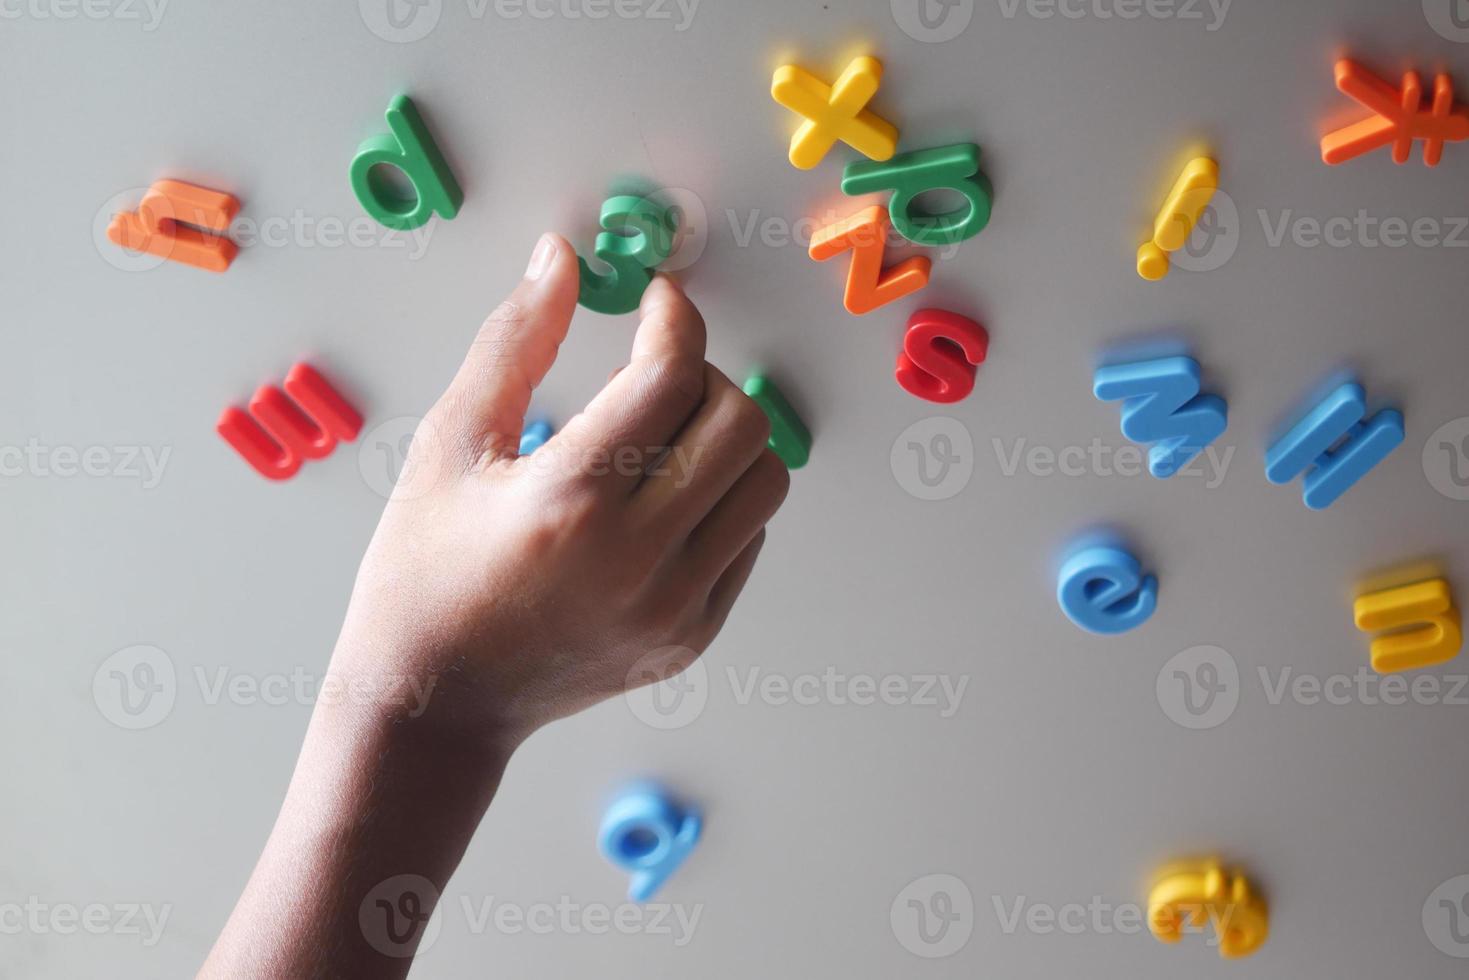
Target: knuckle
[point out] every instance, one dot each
(747, 424)
(572, 504)
(540, 539)
(679, 379)
(561, 513)
(507, 318)
(773, 478)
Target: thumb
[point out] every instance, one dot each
(512, 352)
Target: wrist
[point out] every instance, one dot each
(379, 792)
(399, 758)
(386, 769)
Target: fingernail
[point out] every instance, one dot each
(540, 259)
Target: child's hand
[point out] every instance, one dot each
(500, 593)
(527, 588)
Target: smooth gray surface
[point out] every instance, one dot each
(1059, 778)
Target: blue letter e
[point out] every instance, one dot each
(1102, 589)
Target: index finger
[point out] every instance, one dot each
(646, 404)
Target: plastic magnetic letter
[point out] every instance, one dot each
(941, 351)
(1101, 588)
(1337, 421)
(1195, 892)
(954, 168)
(181, 222)
(1399, 118)
(1185, 205)
(619, 290)
(638, 228)
(869, 286)
(835, 112)
(284, 428)
(647, 834)
(637, 235)
(789, 437)
(411, 150)
(1428, 606)
(1162, 405)
(534, 436)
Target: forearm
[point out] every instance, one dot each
(376, 794)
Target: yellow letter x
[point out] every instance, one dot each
(835, 112)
